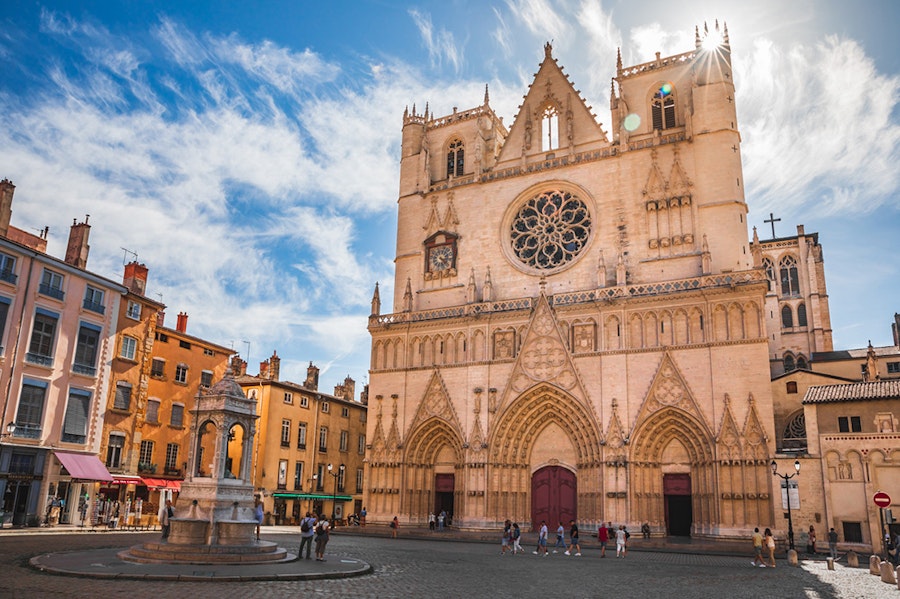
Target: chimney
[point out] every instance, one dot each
(161, 318)
(7, 189)
(181, 325)
(274, 366)
(136, 277)
(312, 378)
(349, 388)
(364, 395)
(264, 370)
(78, 248)
(238, 366)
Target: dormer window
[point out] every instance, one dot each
(456, 158)
(549, 129)
(662, 107)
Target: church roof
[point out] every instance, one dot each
(872, 390)
(855, 354)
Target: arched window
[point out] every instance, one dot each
(801, 315)
(769, 267)
(787, 317)
(549, 129)
(789, 364)
(794, 437)
(790, 280)
(455, 158)
(802, 363)
(662, 107)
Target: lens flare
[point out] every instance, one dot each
(632, 122)
(666, 89)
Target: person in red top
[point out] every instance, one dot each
(603, 536)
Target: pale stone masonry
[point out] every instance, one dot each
(579, 325)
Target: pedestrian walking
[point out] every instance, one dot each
(507, 534)
(610, 532)
(441, 517)
(165, 515)
(770, 545)
(620, 542)
(257, 513)
(431, 520)
(897, 550)
(560, 538)
(395, 524)
(322, 535)
(832, 543)
(362, 517)
(517, 534)
(542, 540)
(627, 536)
(811, 544)
(307, 532)
(573, 538)
(603, 537)
(757, 549)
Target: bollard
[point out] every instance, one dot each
(830, 562)
(852, 559)
(887, 573)
(792, 558)
(874, 565)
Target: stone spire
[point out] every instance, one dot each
(376, 301)
(488, 291)
(408, 297)
(470, 288)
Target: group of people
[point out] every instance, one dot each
(607, 534)
(316, 528)
(438, 519)
(511, 537)
(764, 544)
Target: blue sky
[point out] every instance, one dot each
(248, 151)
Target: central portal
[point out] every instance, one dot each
(554, 496)
(679, 512)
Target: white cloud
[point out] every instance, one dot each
(440, 43)
(818, 127)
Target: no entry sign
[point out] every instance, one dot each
(881, 499)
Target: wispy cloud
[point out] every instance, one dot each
(440, 43)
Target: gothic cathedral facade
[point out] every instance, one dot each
(578, 328)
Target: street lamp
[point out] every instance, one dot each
(340, 472)
(787, 477)
(312, 488)
(10, 429)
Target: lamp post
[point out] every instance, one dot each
(787, 477)
(340, 472)
(312, 488)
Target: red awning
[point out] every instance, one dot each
(162, 483)
(82, 466)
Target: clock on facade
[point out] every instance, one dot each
(440, 258)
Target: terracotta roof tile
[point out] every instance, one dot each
(889, 389)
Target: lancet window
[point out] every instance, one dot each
(456, 158)
(662, 107)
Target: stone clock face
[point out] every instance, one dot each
(549, 231)
(440, 258)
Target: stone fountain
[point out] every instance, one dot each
(214, 517)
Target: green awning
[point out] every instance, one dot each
(311, 496)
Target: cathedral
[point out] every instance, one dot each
(579, 325)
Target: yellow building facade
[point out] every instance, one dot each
(309, 446)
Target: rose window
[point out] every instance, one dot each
(550, 230)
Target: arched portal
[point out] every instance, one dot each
(545, 432)
(433, 457)
(673, 477)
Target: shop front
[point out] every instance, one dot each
(297, 504)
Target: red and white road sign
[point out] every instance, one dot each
(882, 499)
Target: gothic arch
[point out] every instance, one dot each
(535, 409)
(613, 335)
(650, 440)
(426, 443)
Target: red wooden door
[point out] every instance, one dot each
(554, 497)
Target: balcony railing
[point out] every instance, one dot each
(49, 291)
(25, 431)
(8, 276)
(70, 438)
(84, 369)
(39, 359)
(94, 306)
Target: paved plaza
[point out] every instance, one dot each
(448, 567)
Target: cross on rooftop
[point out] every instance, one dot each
(772, 220)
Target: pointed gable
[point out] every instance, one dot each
(543, 357)
(729, 435)
(436, 404)
(679, 184)
(669, 390)
(655, 187)
(551, 88)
